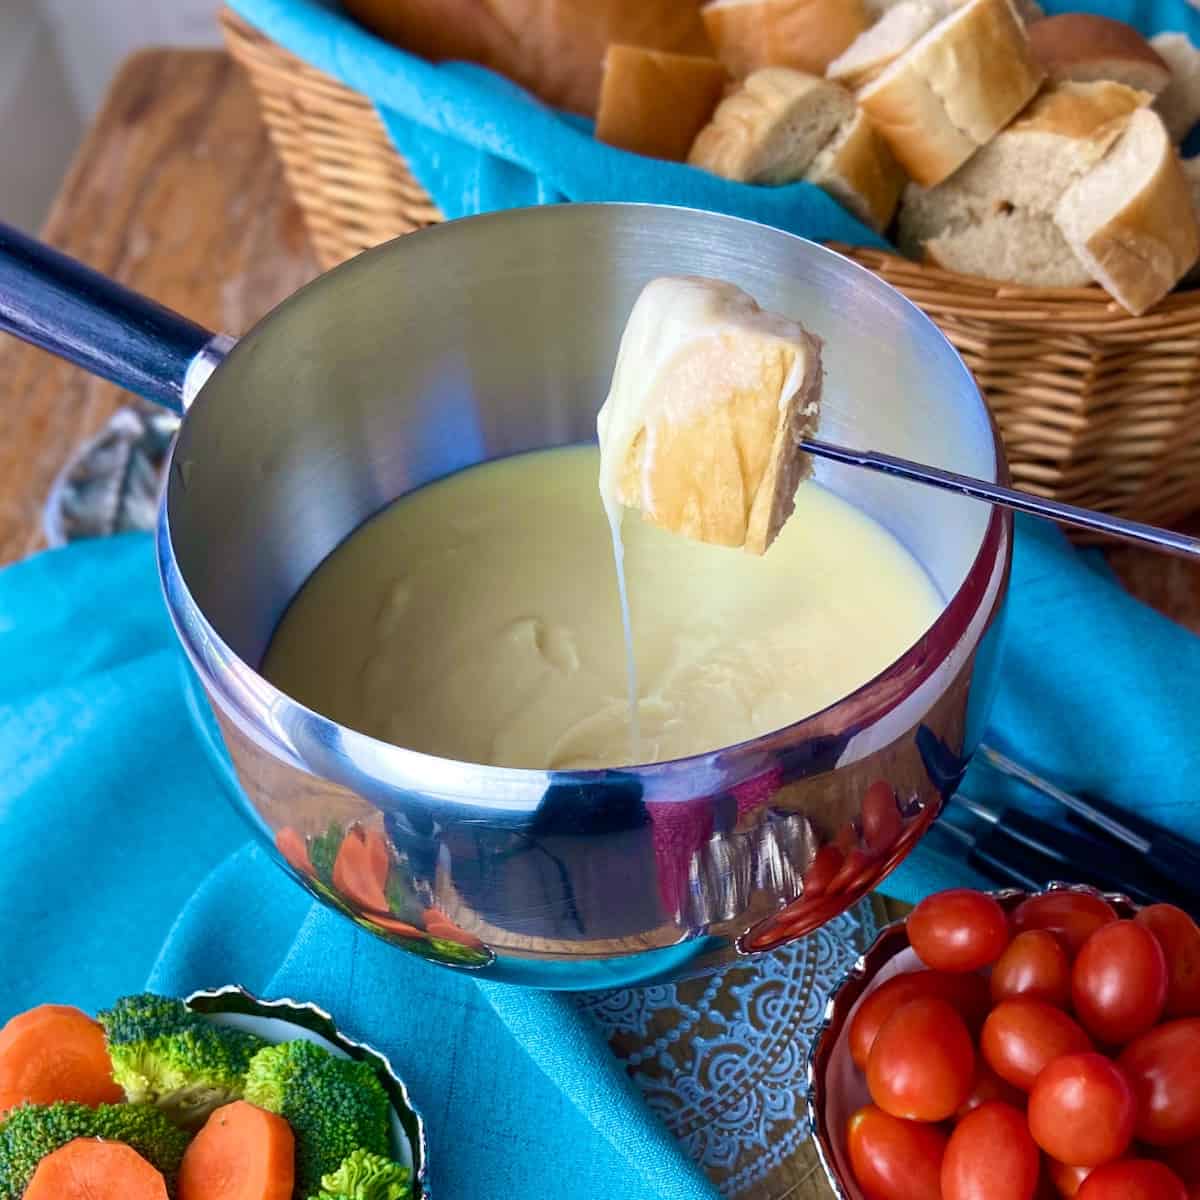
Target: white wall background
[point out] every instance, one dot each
(56, 60)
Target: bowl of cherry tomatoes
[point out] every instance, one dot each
(1015, 1046)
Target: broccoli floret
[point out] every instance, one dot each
(402, 900)
(323, 850)
(334, 1106)
(165, 1054)
(366, 1176)
(32, 1131)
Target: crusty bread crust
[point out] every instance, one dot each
(806, 35)
(555, 48)
(878, 47)
(1131, 219)
(954, 89)
(860, 172)
(655, 103)
(1083, 47)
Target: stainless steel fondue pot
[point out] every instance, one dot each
(481, 338)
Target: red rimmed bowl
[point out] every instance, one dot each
(836, 1087)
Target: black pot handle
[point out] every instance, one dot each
(55, 302)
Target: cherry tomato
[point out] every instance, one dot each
(1132, 1179)
(1081, 1110)
(893, 1159)
(881, 822)
(1036, 967)
(858, 864)
(968, 993)
(989, 1086)
(826, 863)
(1119, 982)
(990, 1156)
(922, 1064)
(1067, 1180)
(1179, 936)
(1163, 1068)
(1020, 1037)
(958, 930)
(1071, 916)
(1185, 1162)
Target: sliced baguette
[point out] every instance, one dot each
(859, 171)
(1011, 246)
(1067, 129)
(995, 217)
(954, 90)
(806, 35)
(710, 397)
(654, 103)
(771, 128)
(1179, 103)
(877, 47)
(1130, 219)
(1084, 47)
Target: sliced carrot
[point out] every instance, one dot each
(393, 926)
(438, 925)
(356, 876)
(55, 1052)
(87, 1169)
(378, 856)
(242, 1153)
(294, 849)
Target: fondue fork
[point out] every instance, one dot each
(1171, 856)
(993, 493)
(1104, 864)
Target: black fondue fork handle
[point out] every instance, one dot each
(1166, 852)
(1002, 859)
(1171, 858)
(1082, 859)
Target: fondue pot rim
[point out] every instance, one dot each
(258, 702)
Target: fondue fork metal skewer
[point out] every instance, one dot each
(993, 493)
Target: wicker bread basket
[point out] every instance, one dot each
(1096, 407)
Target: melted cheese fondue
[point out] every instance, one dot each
(478, 619)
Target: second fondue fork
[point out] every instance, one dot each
(993, 493)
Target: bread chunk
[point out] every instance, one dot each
(710, 398)
(1130, 219)
(954, 89)
(654, 103)
(772, 127)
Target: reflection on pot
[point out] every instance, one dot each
(843, 870)
(352, 868)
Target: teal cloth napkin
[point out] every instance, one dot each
(477, 142)
(121, 859)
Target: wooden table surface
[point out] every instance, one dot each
(177, 192)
